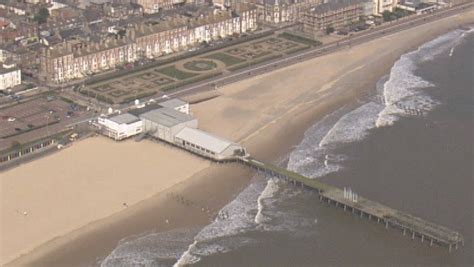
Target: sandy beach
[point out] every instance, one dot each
(92, 179)
(74, 198)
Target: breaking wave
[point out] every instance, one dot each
(315, 156)
(404, 92)
(265, 199)
(264, 204)
(155, 249)
(236, 217)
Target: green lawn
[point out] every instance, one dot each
(189, 81)
(299, 39)
(172, 72)
(228, 60)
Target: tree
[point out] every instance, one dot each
(121, 33)
(42, 15)
(329, 30)
(15, 145)
(387, 15)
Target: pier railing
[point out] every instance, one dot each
(426, 231)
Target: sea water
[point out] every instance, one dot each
(409, 145)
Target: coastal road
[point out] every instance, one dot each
(359, 38)
(255, 70)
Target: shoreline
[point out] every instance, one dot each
(268, 139)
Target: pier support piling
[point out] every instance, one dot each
(397, 219)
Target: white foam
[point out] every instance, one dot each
(308, 158)
(269, 191)
(149, 249)
(213, 238)
(315, 156)
(187, 258)
(259, 206)
(460, 40)
(405, 90)
(255, 209)
(353, 126)
(451, 52)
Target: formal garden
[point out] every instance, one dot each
(162, 78)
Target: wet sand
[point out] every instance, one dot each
(268, 114)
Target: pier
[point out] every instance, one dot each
(344, 199)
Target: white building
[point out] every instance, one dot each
(121, 126)
(176, 104)
(165, 123)
(208, 145)
(10, 76)
(384, 5)
(169, 121)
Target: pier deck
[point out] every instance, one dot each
(426, 231)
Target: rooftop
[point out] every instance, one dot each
(173, 103)
(167, 117)
(125, 118)
(335, 5)
(204, 139)
(7, 70)
(139, 111)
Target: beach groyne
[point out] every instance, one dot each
(374, 211)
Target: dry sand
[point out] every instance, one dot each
(268, 114)
(90, 180)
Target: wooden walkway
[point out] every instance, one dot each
(344, 199)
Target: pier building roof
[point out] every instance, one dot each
(204, 139)
(166, 117)
(125, 118)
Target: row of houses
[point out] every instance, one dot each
(78, 58)
(153, 6)
(282, 11)
(170, 122)
(335, 14)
